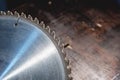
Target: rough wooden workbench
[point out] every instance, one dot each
(93, 37)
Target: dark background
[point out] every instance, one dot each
(101, 4)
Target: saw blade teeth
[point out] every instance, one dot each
(62, 45)
(2, 13)
(16, 14)
(58, 41)
(69, 69)
(67, 61)
(36, 20)
(30, 17)
(70, 77)
(64, 54)
(42, 24)
(62, 50)
(23, 15)
(9, 13)
(53, 34)
(48, 29)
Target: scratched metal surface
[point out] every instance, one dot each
(93, 37)
(94, 52)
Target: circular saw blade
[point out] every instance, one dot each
(29, 50)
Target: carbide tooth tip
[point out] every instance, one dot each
(58, 41)
(53, 34)
(61, 46)
(9, 13)
(70, 77)
(48, 28)
(2, 13)
(69, 69)
(42, 24)
(64, 54)
(23, 15)
(67, 61)
(30, 17)
(16, 14)
(36, 20)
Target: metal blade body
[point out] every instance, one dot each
(28, 52)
